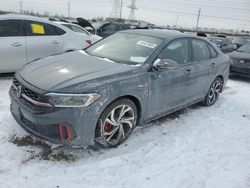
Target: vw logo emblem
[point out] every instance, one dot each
(242, 61)
(19, 91)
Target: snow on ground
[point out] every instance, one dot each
(198, 147)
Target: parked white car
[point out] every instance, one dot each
(24, 39)
(91, 39)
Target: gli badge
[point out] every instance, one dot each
(19, 91)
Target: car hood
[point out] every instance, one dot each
(61, 71)
(239, 55)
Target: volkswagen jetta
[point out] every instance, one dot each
(98, 96)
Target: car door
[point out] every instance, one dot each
(202, 67)
(168, 88)
(42, 40)
(12, 45)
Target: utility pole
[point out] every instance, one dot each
(198, 19)
(121, 11)
(132, 8)
(69, 9)
(116, 9)
(177, 19)
(21, 6)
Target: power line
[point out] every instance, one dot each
(193, 14)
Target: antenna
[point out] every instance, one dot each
(132, 8)
(117, 9)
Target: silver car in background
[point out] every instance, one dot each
(24, 39)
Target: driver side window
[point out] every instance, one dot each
(177, 51)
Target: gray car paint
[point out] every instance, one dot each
(144, 85)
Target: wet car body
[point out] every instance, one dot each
(144, 86)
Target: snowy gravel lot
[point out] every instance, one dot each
(198, 147)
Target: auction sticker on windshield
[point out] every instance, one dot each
(146, 44)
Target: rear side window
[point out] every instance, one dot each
(76, 29)
(42, 29)
(200, 50)
(11, 28)
(212, 50)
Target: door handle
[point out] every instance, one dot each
(188, 71)
(55, 42)
(213, 64)
(16, 44)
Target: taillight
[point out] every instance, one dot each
(89, 42)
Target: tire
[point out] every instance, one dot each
(214, 92)
(116, 123)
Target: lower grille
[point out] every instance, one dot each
(50, 131)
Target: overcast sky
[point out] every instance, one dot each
(229, 14)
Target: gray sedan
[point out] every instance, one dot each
(100, 95)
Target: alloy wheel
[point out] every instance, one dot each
(214, 91)
(118, 124)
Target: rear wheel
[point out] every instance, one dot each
(116, 123)
(214, 92)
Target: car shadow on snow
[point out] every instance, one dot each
(175, 115)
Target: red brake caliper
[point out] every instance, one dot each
(107, 127)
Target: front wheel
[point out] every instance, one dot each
(116, 123)
(214, 92)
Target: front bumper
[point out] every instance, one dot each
(240, 70)
(44, 122)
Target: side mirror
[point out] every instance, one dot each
(160, 64)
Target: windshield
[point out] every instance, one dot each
(245, 48)
(125, 48)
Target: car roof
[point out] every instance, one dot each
(66, 23)
(23, 17)
(159, 33)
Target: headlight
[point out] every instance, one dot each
(72, 100)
